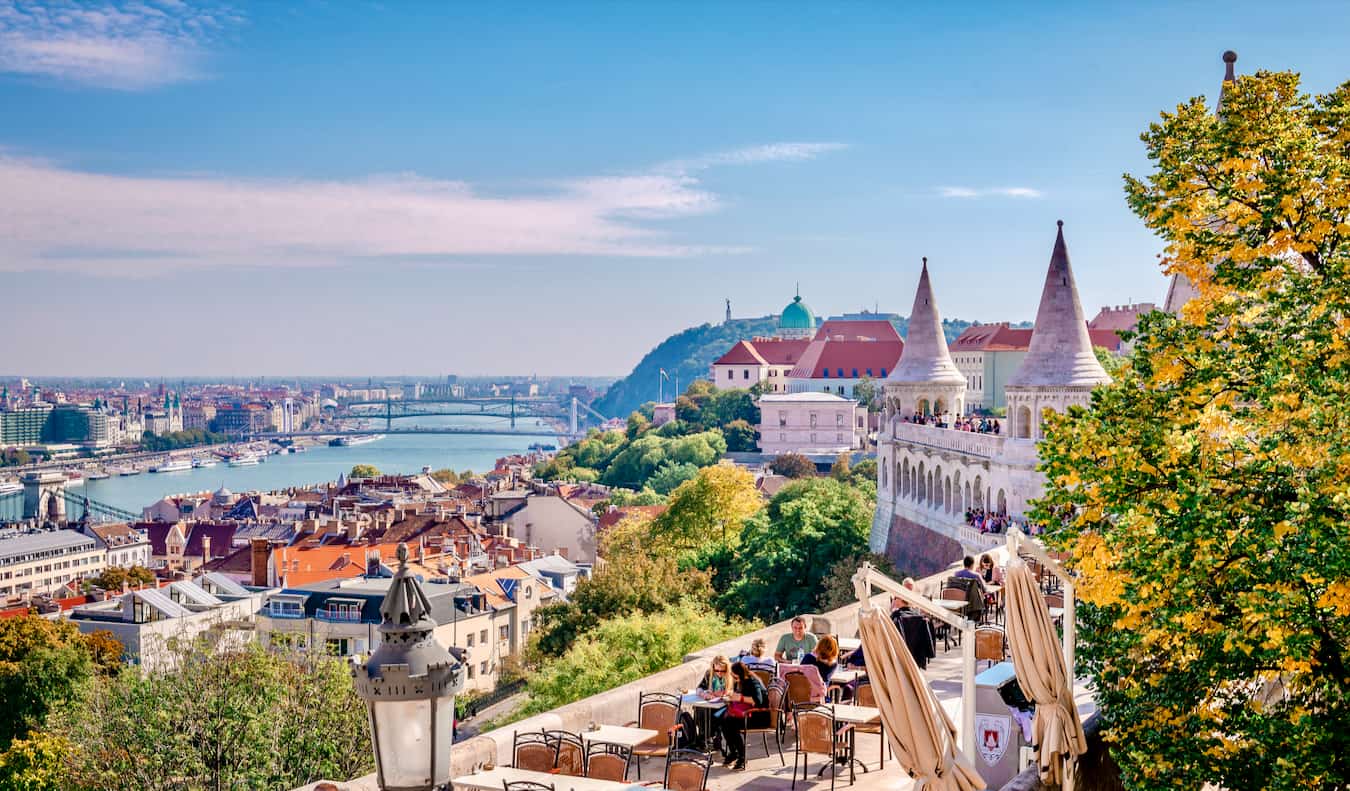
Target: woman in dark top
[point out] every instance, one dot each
(825, 658)
(750, 693)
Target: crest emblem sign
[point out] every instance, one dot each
(993, 734)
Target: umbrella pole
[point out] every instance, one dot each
(1070, 628)
(967, 743)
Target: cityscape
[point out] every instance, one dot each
(979, 469)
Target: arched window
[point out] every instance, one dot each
(1024, 430)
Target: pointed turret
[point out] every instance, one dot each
(925, 358)
(1061, 353)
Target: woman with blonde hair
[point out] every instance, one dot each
(717, 681)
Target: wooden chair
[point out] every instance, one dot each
(798, 689)
(1054, 600)
(570, 753)
(687, 770)
(863, 696)
(534, 751)
(606, 761)
(991, 645)
(526, 785)
(819, 734)
(660, 712)
(764, 675)
(777, 693)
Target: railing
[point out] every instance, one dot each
(338, 617)
(970, 443)
(276, 612)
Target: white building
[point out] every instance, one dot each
(125, 545)
(814, 423)
(928, 477)
(36, 562)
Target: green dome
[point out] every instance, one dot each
(797, 316)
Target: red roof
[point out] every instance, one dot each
(868, 329)
(993, 338)
(848, 359)
(1002, 338)
(741, 354)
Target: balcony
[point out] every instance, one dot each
(338, 617)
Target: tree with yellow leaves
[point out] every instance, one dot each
(1205, 495)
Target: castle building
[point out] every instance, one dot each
(930, 473)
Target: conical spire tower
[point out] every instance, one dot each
(925, 380)
(1060, 368)
(925, 358)
(1061, 350)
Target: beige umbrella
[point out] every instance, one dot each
(1039, 664)
(916, 724)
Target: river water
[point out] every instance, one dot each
(398, 453)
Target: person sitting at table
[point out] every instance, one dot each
(717, 681)
(968, 572)
(755, 656)
(991, 574)
(796, 644)
(824, 658)
(749, 693)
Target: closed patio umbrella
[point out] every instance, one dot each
(1039, 664)
(916, 724)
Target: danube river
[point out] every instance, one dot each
(399, 453)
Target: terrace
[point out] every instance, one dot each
(944, 674)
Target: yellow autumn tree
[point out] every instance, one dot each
(1206, 493)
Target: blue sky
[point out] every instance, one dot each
(193, 188)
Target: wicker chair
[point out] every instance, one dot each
(605, 761)
(777, 693)
(660, 712)
(819, 734)
(991, 645)
(799, 690)
(863, 696)
(687, 770)
(534, 751)
(571, 753)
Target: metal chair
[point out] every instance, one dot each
(660, 712)
(818, 733)
(863, 696)
(687, 770)
(534, 751)
(526, 785)
(570, 753)
(606, 761)
(777, 693)
(991, 644)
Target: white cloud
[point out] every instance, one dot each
(988, 192)
(752, 155)
(125, 44)
(55, 218)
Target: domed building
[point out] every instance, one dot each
(797, 320)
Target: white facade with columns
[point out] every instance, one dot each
(929, 476)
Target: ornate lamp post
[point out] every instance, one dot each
(409, 686)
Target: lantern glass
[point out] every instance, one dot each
(404, 728)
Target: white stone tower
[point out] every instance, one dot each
(1060, 368)
(925, 381)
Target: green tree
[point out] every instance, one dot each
(741, 437)
(865, 472)
(867, 391)
(793, 465)
(113, 577)
(220, 717)
(1203, 495)
(787, 551)
(836, 589)
(43, 663)
(364, 471)
(37, 763)
(710, 508)
(670, 475)
(637, 425)
(624, 649)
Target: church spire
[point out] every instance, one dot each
(1061, 350)
(925, 358)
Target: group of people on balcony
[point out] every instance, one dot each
(989, 521)
(976, 425)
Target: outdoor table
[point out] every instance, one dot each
(496, 778)
(1056, 613)
(858, 715)
(619, 734)
(847, 644)
(845, 676)
(704, 710)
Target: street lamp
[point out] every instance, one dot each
(409, 687)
